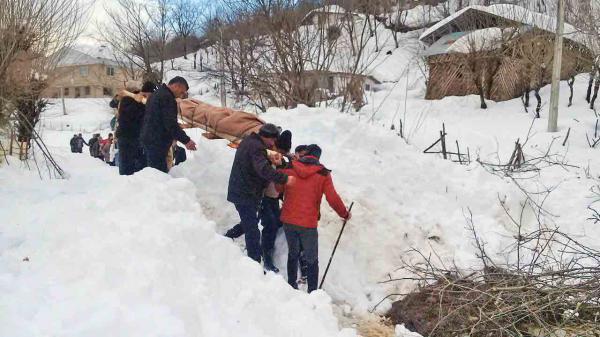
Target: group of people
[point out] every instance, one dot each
(257, 183)
(103, 149)
(148, 133)
(264, 173)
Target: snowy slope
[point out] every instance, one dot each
(104, 255)
(407, 199)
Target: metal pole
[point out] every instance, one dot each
(558, 46)
(222, 66)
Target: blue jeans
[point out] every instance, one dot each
(307, 240)
(249, 223)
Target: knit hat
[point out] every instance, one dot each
(284, 142)
(300, 148)
(148, 87)
(269, 131)
(314, 150)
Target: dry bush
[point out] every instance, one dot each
(549, 284)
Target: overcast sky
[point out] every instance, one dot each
(98, 14)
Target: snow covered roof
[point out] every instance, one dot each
(507, 12)
(87, 55)
(466, 42)
(331, 9)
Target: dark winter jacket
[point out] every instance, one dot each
(73, 144)
(302, 196)
(79, 142)
(160, 125)
(131, 118)
(251, 172)
(91, 143)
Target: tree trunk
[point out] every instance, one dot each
(185, 47)
(539, 102)
(482, 96)
(526, 94)
(596, 87)
(588, 95)
(571, 82)
(195, 55)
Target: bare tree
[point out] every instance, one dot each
(33, 35)
(137, 33)
(186, 20)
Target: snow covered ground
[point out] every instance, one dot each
(103, 255)
(143, 255)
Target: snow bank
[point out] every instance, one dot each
(85, 115)
(104, 255)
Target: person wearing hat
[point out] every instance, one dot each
(309, 180)
(160, 125)
(251, 172)
(130, 118)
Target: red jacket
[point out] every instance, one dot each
(302, 195)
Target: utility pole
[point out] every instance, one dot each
(558, 46)
(222, 66)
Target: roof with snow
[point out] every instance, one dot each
(87, 55)
(501, 15)
(331, 9)
(466, 42)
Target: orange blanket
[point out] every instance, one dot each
(223, 122)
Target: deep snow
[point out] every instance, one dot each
(143, 255)
(104, 255)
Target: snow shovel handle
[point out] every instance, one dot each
(335, 247)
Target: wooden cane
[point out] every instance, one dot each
(335, 247)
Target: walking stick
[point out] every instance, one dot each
(335, 247)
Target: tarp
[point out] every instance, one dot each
(223, 122)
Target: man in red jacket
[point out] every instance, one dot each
(308, 182)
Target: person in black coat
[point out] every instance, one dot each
(79, 143)
(131, 118)
(73, 145)
(251, 172)
(160, 125)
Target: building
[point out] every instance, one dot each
(86, 71)
(330, 15)
(498, 51)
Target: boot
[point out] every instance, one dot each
(235, 232)
(268, 262)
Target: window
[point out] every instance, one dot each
(107, 91)
(77, 92)
(66, 91)
(367, 87)
(84, 71)
(330, 83)
(110, 71)
(87, 90)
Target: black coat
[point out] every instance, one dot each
(251, 172)
(79, 142)
(160, 125)
(131, 118)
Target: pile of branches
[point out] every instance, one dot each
(550, 287)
